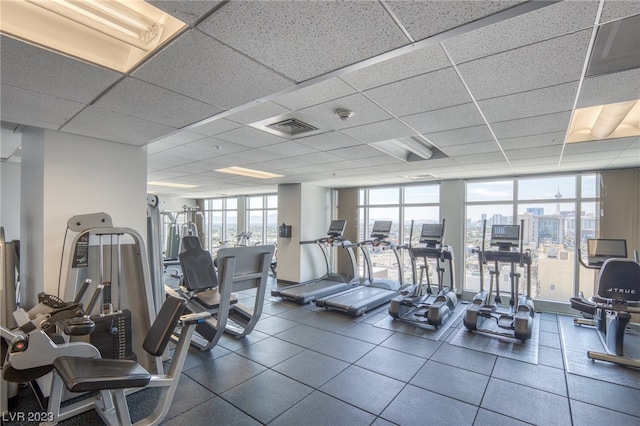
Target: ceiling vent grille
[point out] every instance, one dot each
(292, 127)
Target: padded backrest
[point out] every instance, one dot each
(197, 266)
(160, 332)
(620, 279)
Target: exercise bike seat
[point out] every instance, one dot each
(619, 280)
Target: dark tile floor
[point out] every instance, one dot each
(303, 365)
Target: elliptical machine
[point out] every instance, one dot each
(429, 309)
(517, 322)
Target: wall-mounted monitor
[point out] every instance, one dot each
(505, 236)
(381, 229)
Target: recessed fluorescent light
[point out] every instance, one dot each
(171, 184)
(117, 34)
(619, 120)
(248, 172)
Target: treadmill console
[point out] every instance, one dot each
(381, 229)
(336, 228)
(599, 250)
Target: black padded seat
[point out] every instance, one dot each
(197, 265)
(94, 374)
(619, 279)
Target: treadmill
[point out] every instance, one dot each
(375, 292)
(330, 283)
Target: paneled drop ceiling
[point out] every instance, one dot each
(489, 86)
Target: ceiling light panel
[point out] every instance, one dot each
(114, 34)
(602, 122)
(241, 171)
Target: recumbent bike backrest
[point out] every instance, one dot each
(619, 279)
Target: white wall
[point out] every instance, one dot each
(10, 200)
(174, 203)
(65, 175)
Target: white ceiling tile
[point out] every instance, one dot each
(324, 158)
(423, 19)
(384, 161)
(180, 138)
(614, 9)
(44, 71)
(460, 136)
(155, 147)
(305, 39)
(140, 99)
(259, 112)
(355, 152)
(438, 120)
(380, 131)
(290, 148)
(535, 125)
(23, 106)
(326, 90)
(542, 139)
(527, 68)
(542, 24)
(186, 11)
(364, 110)
(328, 141)
(189, 152)
(214, 127)
(610, 88)
(534, 152)
(426, 92)
(473, 148)
(419, 61)
(109, 125)
(209, 71)
(248, 136)
(528, 104)
(607, 146)
(253, 156)
(217, 146)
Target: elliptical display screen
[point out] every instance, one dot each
(431, 233)
(336, 228)
(599, 250)
(505, 235)
(381, 228)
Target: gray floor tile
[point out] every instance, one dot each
(363, 388)
(549, 326)
(343, 347)
(196, 357)
(551, 357)
(274, 325)
(270, 351)
(453, 382)
(416, 406)
(591, 415)
(225, 372)
(275, 306)
(395, 364)
(522, 402)
(468, 359)
(366, 332)
(489, 418)
(267, 395)
(603, 394)
(231, 343)
(550, 339)
(321, 410)
(311, 368)
(423, 348)
(536, 376)
(303, 335)
(215, 411)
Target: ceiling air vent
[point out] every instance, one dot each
(292, 127)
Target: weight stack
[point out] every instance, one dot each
(112, 335)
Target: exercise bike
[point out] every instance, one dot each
(517, 322)
(618, 296)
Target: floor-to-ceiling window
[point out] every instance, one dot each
(262, 219)
(220, 222)
(404, 206)
(558, 215)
